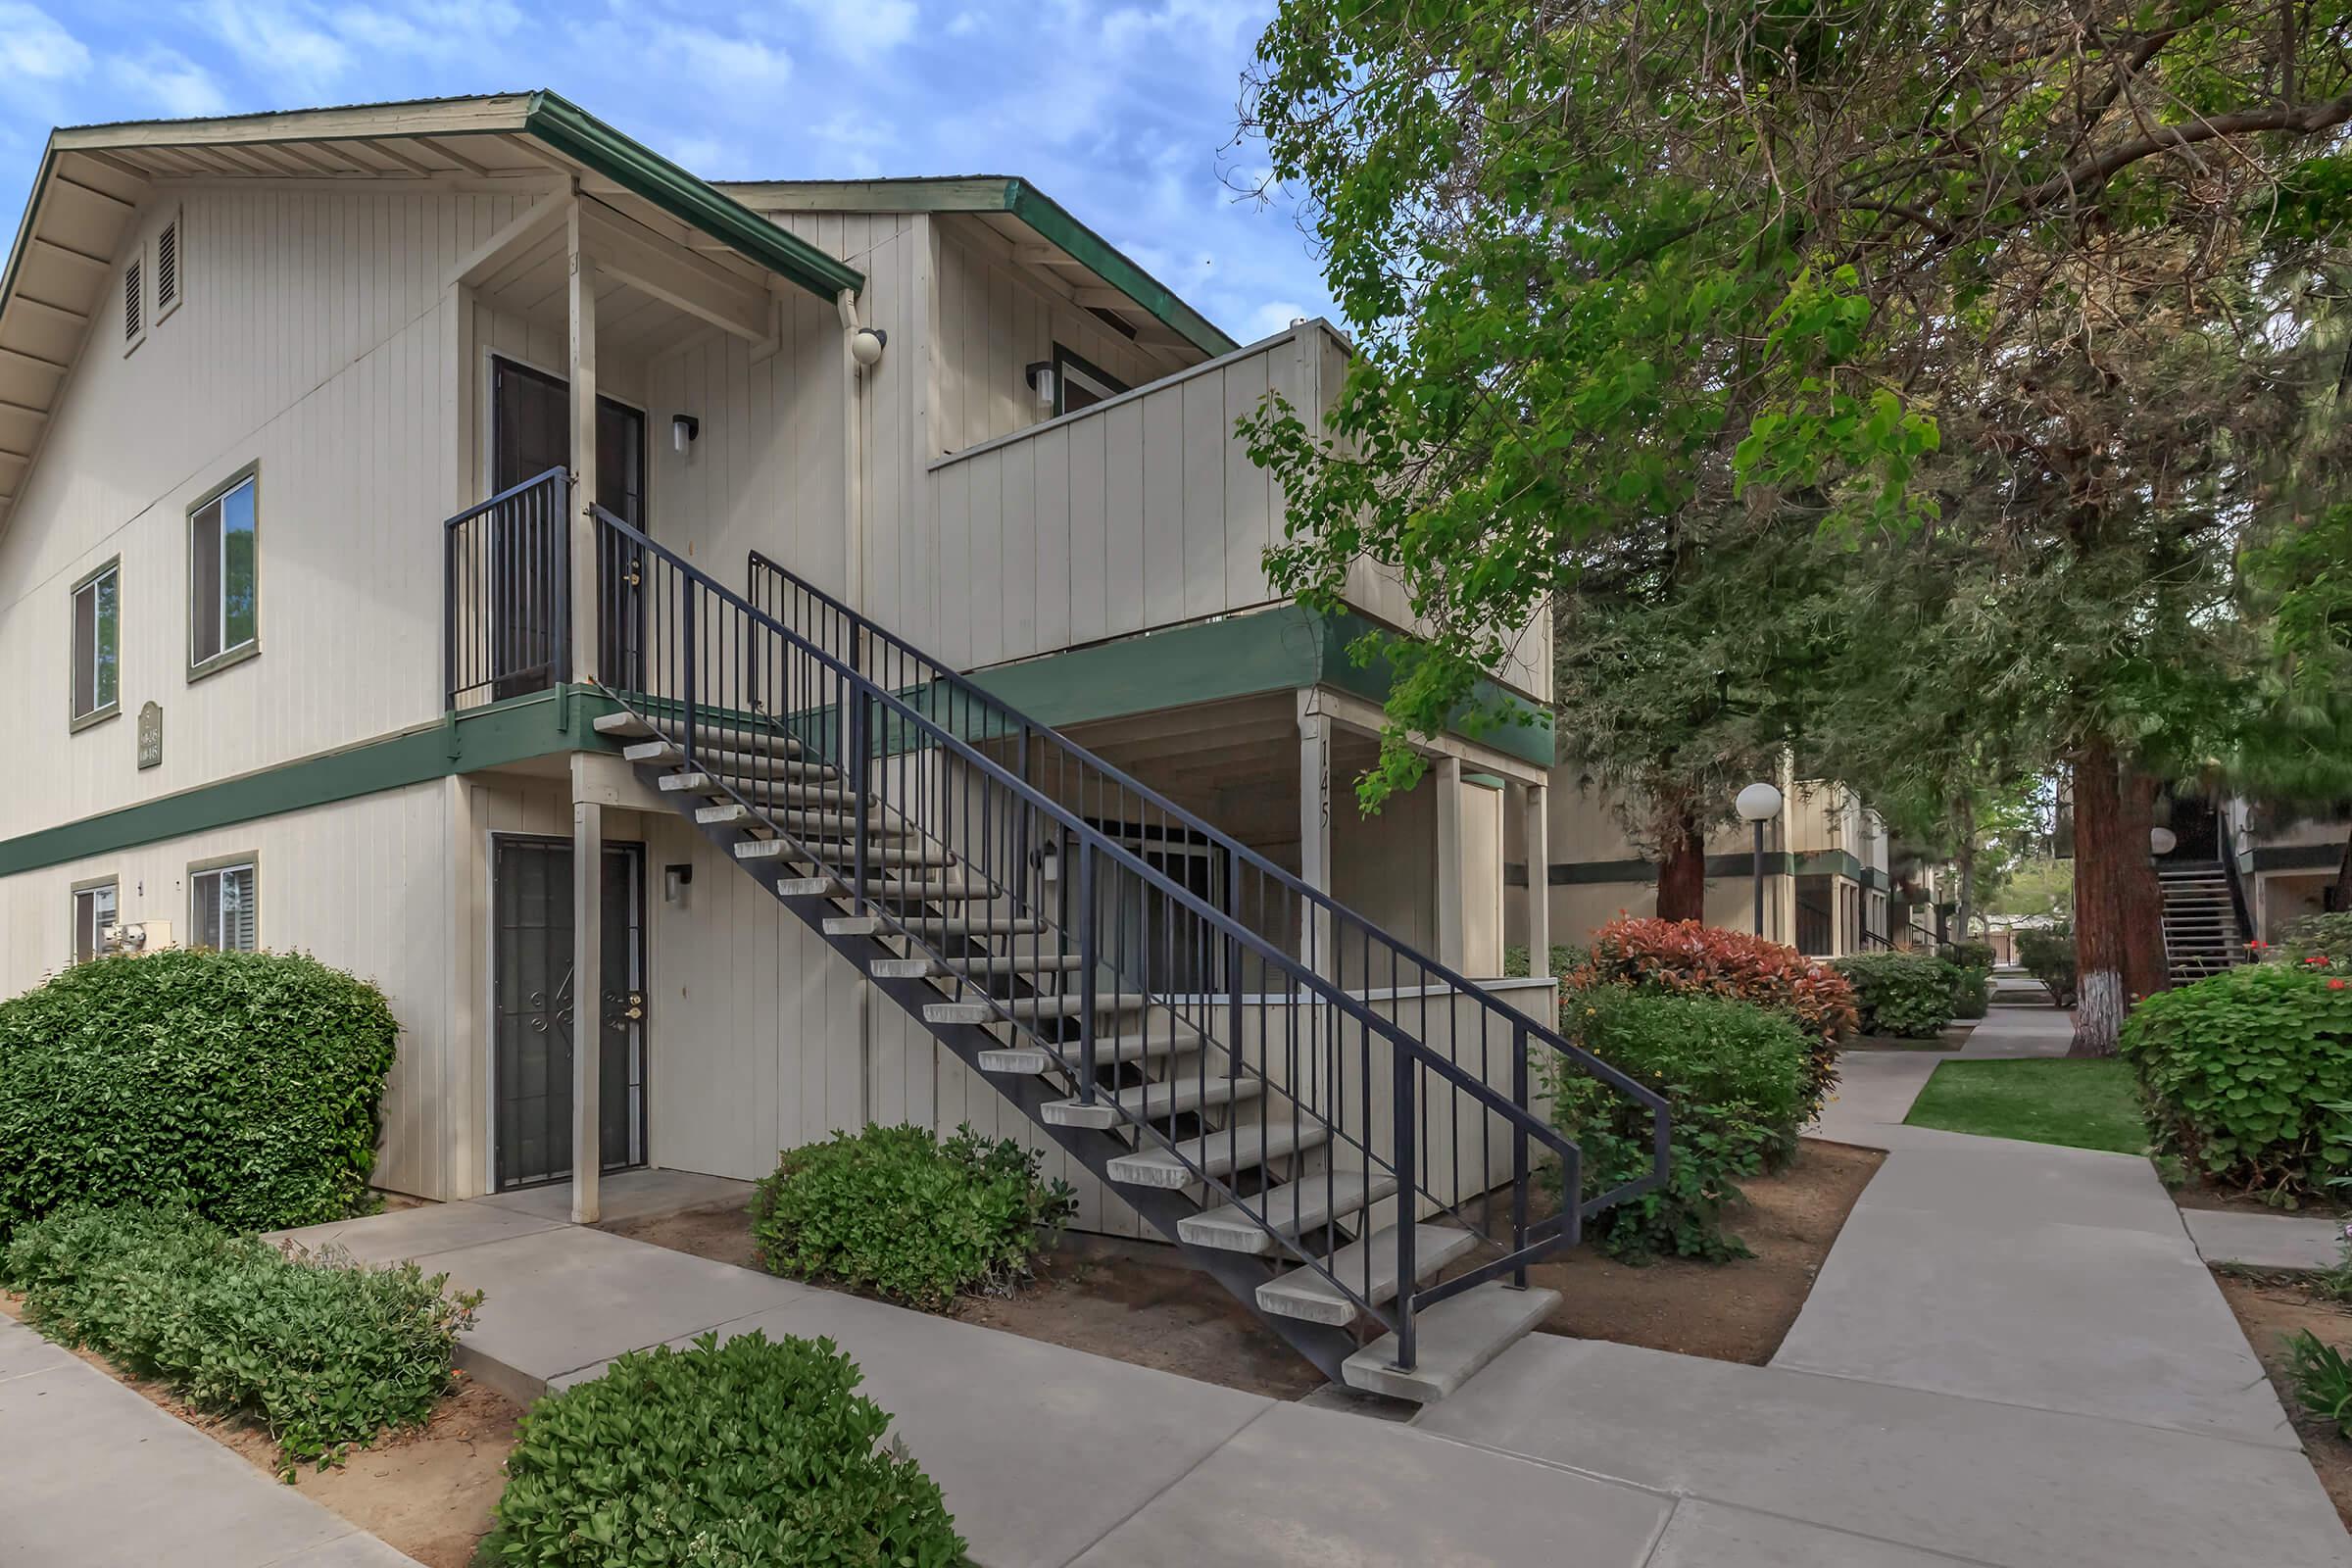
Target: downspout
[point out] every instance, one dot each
(852, 498)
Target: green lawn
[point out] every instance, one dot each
(2081, 1103)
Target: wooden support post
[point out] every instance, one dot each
(581, 368)
(1536, 839)
(1453, 906)
(587, 997)
(1314, 835)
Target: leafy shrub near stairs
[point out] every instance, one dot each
(893, 1211)
(2319, 936)
(1972, 973)
(1909, 995)
(243, 1084)
(1687, 959)
(2048, 956)
(755, 1454)
(323, 1353)
(2243, 1075)
(1735, 1076)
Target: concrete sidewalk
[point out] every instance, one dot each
(2014, 1356)
(93, 1476)
(1047, 1456)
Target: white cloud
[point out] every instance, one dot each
(282, 43)
(169, 80)
(728, 64)
(860, 30)
(1275, 316)
(32, 44)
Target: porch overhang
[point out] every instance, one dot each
(94, 180)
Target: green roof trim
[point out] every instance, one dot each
(1014, 196)
(576, 133)
(537, 724)
(1053, 223)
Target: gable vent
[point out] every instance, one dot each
(134, 319)
(166, 268)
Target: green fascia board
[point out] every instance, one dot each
(1051, 222)
(1829, 862)
(1592, 873)
(1216, 660)
(576, 133)
(539, 724)
(1046, 219)
(2299, 858)
(1288, 648)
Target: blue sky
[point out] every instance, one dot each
(1124, 112)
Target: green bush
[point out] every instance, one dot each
(1566, 959)
(2240, 1071)
(323, 1353)
(1972, 990)
(755, 1454)
(1969, 954)
(1735, 1076)
(2048, 956)
(1904, 993)
(893, 1211)
(2322, 1378)
(2319, 936)
(243, 1084)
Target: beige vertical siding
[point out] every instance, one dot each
(314, 339)
(364, 885)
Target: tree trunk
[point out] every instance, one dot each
(2098, 903)
(1965, 811)
(1682, 869)
(2145, 971)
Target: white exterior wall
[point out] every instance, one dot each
(362, 885)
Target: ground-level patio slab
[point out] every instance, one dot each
(1986, 1482)
(2303, 1243)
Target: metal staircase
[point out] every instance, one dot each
(2204, 930)
(1343, 1132)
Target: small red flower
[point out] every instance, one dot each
(2258, 945)
(2335, 985)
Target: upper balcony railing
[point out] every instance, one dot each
(506, 625)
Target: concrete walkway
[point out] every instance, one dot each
(93, 1476)
(2014, 1356)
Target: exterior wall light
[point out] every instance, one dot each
(1040, 376)
(683, 429)
(866, 345)
(2163, 841)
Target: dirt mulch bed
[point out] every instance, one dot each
(426, 1492)
(1133, 1302)
(2196, 1194)
(1738, 1311)
(2270, 1308)
(1141, 1302)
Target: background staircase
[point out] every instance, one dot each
(1341, 1131)
(2203, 931)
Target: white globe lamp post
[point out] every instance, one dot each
(1759, 804)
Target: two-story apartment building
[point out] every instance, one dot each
(894, 715)
(1825, 869)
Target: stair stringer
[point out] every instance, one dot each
(1240, 1273)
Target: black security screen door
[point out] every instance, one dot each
(535, 1009)
(530, 432)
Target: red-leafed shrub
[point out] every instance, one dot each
(1688, 958)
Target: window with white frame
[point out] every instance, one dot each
(220, 906)
(225, 575)
(97, 644)
(93, 912)
(1078, 384)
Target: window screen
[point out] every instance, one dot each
(223, 612)
(221, 907)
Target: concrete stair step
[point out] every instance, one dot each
(1243, 1147)
(722, 737)
(733, 765)
(1170, 1097)
(926, 856)
(1030, 1058)
(926, 967)
(955, 928)
(1368, 1269)
(1452, 1341)
(1303, 1203)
